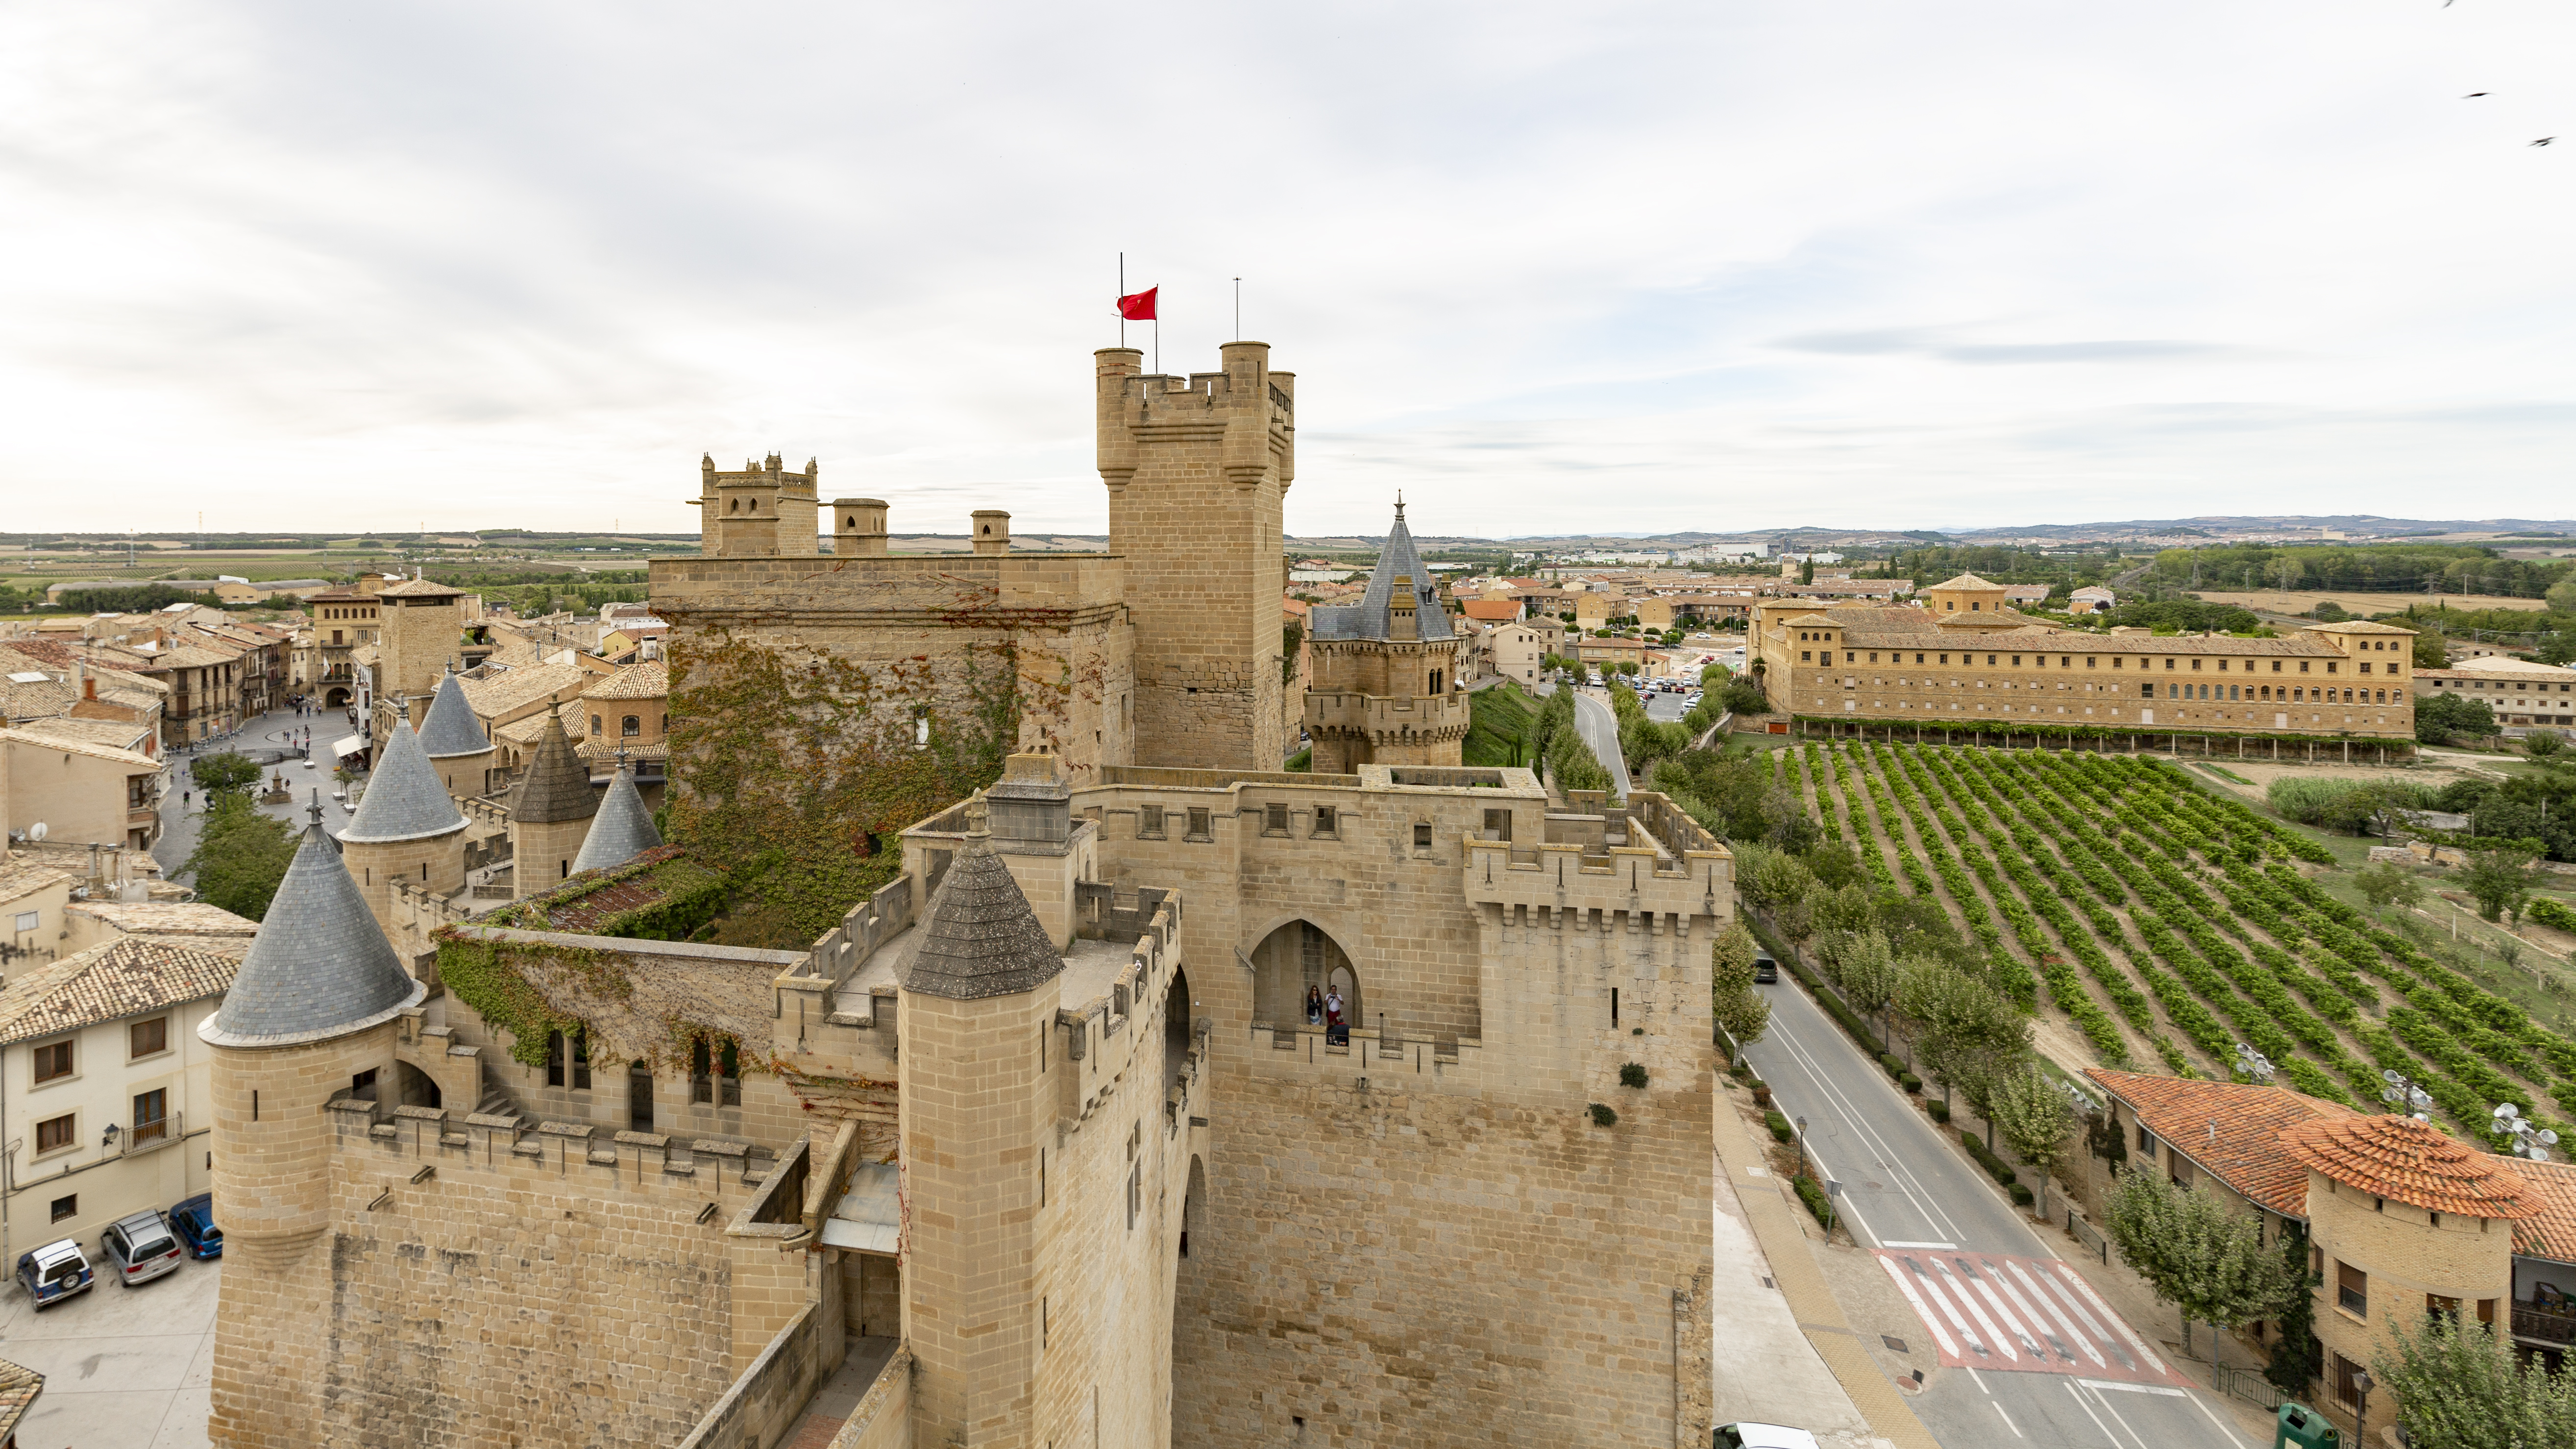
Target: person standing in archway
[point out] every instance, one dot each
(1314, 1006)
(1334, 1030)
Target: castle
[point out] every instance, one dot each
(1039, 1139)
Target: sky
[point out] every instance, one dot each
(1542, 268)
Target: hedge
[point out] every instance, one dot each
(2550, 913)
(1816, 1200)
(1940, 1110)
(1781, 1130)
(1996, 1168)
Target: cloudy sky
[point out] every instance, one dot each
(1543, 267)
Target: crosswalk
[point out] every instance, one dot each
(1998, 1311)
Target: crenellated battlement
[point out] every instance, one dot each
(374, 1138)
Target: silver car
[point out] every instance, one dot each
(140, 1248)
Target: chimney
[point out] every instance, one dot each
(859, 527)
(992, 531)
(89, 688)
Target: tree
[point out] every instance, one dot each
(2195, 1252)
(229, 770)
(1740, 1010)
(2461, 1388)
(1807, 570)
(1743, 696)
(241, 854)
(2432, 651)
(2298, 1358)
(1863, 967)
(2562, 595)
(2384, 884)
(1964, 1026)
(2543, 744)
(2441, 718)
(2035, 1118)
(2500, 880)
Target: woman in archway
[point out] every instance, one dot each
(1314, 1006)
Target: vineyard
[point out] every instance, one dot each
(2169, 925)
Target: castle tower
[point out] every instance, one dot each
(623, 828)
(859, 529)
(406, 829)
(764, 511)
(976, 996)
(1196, 471)
(311, 1016)
(454, 741)
(422, 637)
(550, 813)
(1384, 689)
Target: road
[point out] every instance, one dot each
(1990, 1293)
(1600, 730)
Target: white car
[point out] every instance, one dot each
(1761, 1436)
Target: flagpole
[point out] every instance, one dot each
(1122, 292)
(1238, 309)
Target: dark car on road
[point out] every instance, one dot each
(53, 1273)
(193, 1219)
(1766, 971)
(140, 1248)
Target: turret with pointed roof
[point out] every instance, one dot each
(320, 966)
(979, 936)
(454, 740)
(623, 828)
(407, 831)
(1383, 689)
(550, 812)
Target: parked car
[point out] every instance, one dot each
(53, 1273)
(1761, 1436)
(193, 1219)
(140, 1248)
(1766, 971)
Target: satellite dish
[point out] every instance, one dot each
(2548, 1138)
(36, 831)
(2507, 1112)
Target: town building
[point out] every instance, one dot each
(1041, 1131)
(106, 1098)
(1965, 657)
(82, 791)
(2402, 1220)
(2524, 693)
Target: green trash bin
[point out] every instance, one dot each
(2297, 1426)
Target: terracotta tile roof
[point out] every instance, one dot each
(165, 918)
(126, 735)
(128, 758)
(24, 876)
(2244, 1149)
(19, 1387)
(2414, 1163)
(1969, 581)
(516, 689)
(419, 589)
(2550, 1232)
(107, 983)
(1491, 610)
(651, 680)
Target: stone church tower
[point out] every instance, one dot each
(313, 1015)
(1196, 471)
(1384, 689)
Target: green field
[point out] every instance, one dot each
(1498, 729)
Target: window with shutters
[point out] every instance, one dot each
(148, 1038)
(53, 1061)
(2352, 1290)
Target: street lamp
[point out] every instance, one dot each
(1802, 1149)
(2363, 1383)
(108, 1138)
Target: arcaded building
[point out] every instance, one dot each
(1965, 656)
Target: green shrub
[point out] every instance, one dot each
(1603, 1116)
(1940, 1111)
(2551, 914)
(1911, 1083)
(2020, 1195)
(1781, 1128)
(1631, 1075)
(1813, 1195)
(1894, 1068)
(1996, 1168)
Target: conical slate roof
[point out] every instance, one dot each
(557, 785)
(450, 728)
(405, 799)
(320, 966)
(1367, 619)
(622, 830)
(979, 937)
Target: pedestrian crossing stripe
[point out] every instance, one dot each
(2035, 1315)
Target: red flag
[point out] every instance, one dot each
(1138, 307)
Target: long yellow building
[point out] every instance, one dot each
(1963, 656)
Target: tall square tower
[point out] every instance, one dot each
(1196, 470)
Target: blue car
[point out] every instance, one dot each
(194, 1220)
(54, 1272)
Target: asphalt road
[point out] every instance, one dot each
(1600, 730)
(1903, 1186)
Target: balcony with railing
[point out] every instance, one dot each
(2552, 1323)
